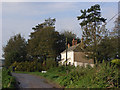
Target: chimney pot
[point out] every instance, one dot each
(74, 42)
(68, 45)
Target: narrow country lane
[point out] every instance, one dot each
(31, 81)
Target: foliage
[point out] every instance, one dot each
(32, 66)
(70, 36)
(47, 23)
(106, 76)
(115, 35)
(103, 75)
(25, 66)
(116, 61)
(92, 28)
(7, 80)
(108, 49)
(116, 28)
(0, 78)
(50, 63)
(45, 42)
(15, 50)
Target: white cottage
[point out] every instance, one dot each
(76, 55)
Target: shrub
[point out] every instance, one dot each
(49, 63)
(116, 61)
(105, 75)
(7, 80)
(32, 66)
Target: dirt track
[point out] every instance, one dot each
(31, 81)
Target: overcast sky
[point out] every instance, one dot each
(20, 17)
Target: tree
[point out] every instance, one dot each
(47, 23)
(15, 50)
(91, 26)
(70, 36)
(114, 34)
(109, 45)
(117, 33)
(45, 42)
(107, 49)
(116, 28)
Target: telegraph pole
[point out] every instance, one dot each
(66, 51)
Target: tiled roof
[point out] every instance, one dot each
(75, 48)
(81, 57)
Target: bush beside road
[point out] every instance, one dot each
(103, 75)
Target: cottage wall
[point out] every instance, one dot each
(76, 59)
(81, 60)
(70, 57)
(82, 64)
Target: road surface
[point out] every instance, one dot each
(31, 81)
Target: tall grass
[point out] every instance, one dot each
(0, 78)
(7, 80)
(103, 75)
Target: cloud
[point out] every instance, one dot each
(30, 9)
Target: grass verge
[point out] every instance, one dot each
(8, 81)
(103, 75)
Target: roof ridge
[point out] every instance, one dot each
(75, 45)
(72, 47)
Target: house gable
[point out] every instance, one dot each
(76, 55)
(70, 57)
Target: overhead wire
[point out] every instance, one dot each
(101, 4)
(113, 17)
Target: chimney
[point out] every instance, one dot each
(82, 40)
(82, 44)
(68, 45)
(74, 42)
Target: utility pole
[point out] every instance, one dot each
(66, 51)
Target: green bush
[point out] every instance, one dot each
(26, 66)
(32, 66)
(104, 75)
(49, 63)
(7, 80)
(77, 77)
(116, 61)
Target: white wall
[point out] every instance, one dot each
(70, 57)
(83, 64)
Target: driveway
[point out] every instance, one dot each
(32, 81)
